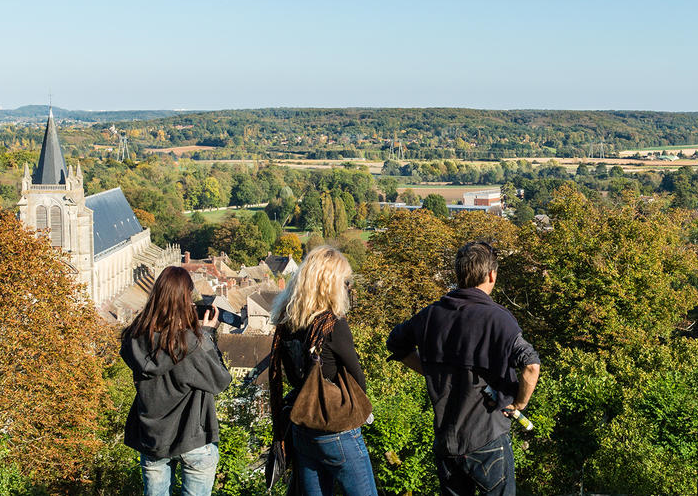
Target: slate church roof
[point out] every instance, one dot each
(51, 168)
(114, 221)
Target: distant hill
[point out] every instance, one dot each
(38, 113)
(374, 134)
(422, 133)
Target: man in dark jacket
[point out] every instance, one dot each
(468, 348)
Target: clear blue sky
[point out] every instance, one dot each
(500, 54)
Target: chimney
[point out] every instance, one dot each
(187, 257)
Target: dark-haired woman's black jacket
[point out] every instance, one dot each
(174, 409)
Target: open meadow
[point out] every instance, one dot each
(216, 216)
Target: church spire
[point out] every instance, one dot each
(51, 168)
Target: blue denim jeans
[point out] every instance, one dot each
(323, 458)
(489, 469)
(198, 472)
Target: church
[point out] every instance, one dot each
(104, 244)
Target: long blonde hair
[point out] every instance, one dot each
(318, 285)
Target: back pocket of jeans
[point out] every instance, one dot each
(486, 468)
(201, 458)
(330, 450)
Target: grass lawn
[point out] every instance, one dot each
(218, 216)
(660, 148)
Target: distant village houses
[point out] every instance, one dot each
(249, 293)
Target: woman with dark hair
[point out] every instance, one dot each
(177, 370)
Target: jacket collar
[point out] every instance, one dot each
(472, 294)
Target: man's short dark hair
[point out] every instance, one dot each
(473, 263)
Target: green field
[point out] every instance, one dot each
(218, 216)
(661, 148)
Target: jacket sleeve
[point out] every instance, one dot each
(203, 368)
(523, 354)
(342, 345)
(403, 339)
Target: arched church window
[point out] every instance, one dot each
(56, 226)
(41, 217)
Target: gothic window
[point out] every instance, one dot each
(56, 226)
(41, 217)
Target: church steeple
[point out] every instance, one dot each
(51, 168)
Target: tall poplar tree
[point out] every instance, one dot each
(328, 230)
(340, 216)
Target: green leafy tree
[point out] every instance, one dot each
(241, 240)
(197, 238)
(409, 197)
(404, 269)
(524, 214)
(349, 206)
(436, 204)
(210, 194)
(625, 272)
(245, 190)
(328, 227)
(289, 244)
(389, 186)
(311, 211)
(354, 249)
(509, 196)
(261, 220)
(314, 240)
(340, 216)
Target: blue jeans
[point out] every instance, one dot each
(489, 469)
(198, 472)
(323, 458)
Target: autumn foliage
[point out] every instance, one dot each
(53, 349)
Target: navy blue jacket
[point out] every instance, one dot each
(466, 342)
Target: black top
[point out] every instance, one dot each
(174, 409)
(466, 342)
(337, 350)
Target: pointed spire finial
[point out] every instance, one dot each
(51, 168)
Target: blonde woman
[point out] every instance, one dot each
(317, 295)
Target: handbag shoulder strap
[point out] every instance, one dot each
(321, 327)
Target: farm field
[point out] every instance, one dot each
(179, 150)
(373, 167)
(450, 193)
(688, 149)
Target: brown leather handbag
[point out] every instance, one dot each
(323, 405)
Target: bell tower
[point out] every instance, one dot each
(53, 200)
